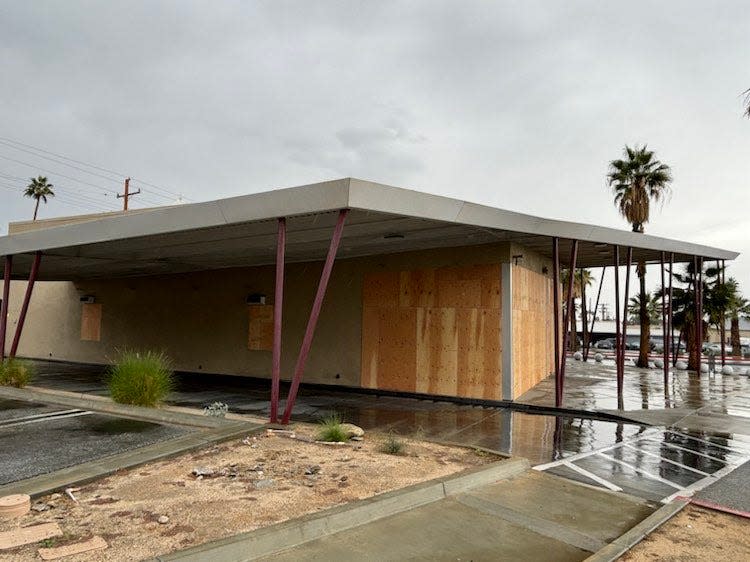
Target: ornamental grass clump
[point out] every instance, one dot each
(392, 445)
(331, 429)
(140, 379)
(15, 372)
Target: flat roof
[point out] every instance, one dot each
(241, 231)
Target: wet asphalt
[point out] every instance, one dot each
(38, 439)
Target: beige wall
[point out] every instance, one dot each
(201, 319)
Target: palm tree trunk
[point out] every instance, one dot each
(36, 208)
(691, 342)
(735, 337)
(644, 318)
(573, 329)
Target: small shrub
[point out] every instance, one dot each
(15, 372)
(216, 410)
(140, 379)
(331, 430)
(392, 445)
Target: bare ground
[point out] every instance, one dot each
(695, 534)
(256, 482)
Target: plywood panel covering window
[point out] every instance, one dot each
(433, 331)
(91, 322)
(260, 332)
(533, 334)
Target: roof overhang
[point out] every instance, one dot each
(241, 231)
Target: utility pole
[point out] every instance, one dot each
(127, 195)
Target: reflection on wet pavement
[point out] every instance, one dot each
(650, 462)
(593, 387)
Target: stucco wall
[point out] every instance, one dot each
(201, 319)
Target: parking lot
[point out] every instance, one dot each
(37, 438)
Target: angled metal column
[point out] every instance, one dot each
(26, 300)
(723, 330)
(4, 308)
(699, 325)
(618, 341)
(670, 325)
(665, 338)
(556, 316)
(596, 307)
(278, 302)
(625, 312)
(314, 314)
(584, 317)
(569, 302)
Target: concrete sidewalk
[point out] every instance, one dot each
(531, 516)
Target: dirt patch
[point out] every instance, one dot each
(695, 534)
(235, 487)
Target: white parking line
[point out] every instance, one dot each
(629, 446)
(592, 476)
(644, 472)
(37, 416)
(673, 446)
(736, 451)
(49, 418)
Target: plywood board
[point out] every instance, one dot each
(260, 327)
(91, 322)
(533, 344)
(442, 337)
(27, 535)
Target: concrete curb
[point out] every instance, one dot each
(105, 405)
(89, 471)
(625, 542)
(269, 540)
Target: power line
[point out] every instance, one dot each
(35, 166)
(72, 192)
(112, 172)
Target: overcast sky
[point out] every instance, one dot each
(515, 104)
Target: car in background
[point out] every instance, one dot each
(606, 343)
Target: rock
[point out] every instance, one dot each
(315, 469)
(163, 520)
(598, 357)
(681, 365)
(40, 506)
(55, 496)
(578, 356)
(727, 370)
(264, 484)
(352, 430)
(344, 478)
(357, 438)
(704, 368)
(658, 363)
(203, 472)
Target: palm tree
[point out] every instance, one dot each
(636, 180)
(39, 189)
(715, 302)
(581, 278)
(739, 307)
(653, 306)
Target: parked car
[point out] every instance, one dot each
(606, 343)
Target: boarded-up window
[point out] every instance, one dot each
(434, 331)
(91, 322)
(260, 333)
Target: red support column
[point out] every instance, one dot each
(664, 337)
(4, 308)
(596, 307)
(584, 318)
(26, 300)
(618, 341)
(314, 314)
(569, 301)
(625, 312)
(556, 316)
(700, 313)
(670, 327)
(278, 302)
(723, 331)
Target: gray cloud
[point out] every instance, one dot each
(516, 104)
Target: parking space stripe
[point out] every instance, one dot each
(643, 472)
(37, 416)
(629, 446)
(673, 446)
(71, 415)
(733, 450)
(592, 476)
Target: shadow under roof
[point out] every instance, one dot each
(241, 231)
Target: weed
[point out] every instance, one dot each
(392, 445)
(141, 379)
(330, 429)
(15, 372)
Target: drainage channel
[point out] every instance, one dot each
(36, 418)
(658, 464)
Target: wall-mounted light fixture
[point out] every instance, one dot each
(256, 298)
(517, 258)
(88, 299)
